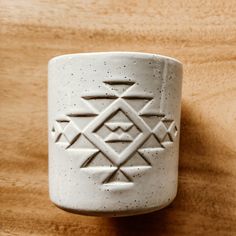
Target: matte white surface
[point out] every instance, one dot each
(114, 122)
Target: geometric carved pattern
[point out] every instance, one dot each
(65, 132)
(116, 141)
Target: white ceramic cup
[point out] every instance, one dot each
(114, 125)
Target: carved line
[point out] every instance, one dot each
(57, 130)
(145, 107)
(109, 177)
(88, 114)
(170, 136)
(58, 137)
(153, 114)
(108, 158)
(132, 153)
(134, 111)
(145, 159)
(107, 180)
(110, 116)
(112, 86)
(114, 138)
(158, 141)
(127, 176)
(176, 128)
(89, 160)
(62, 133)
(166, 121)
(125, 82)
(99, 96)
(64, 119)
(120, 128)
(119, 140)
(73, 140)
(138, 96)
(114, 126)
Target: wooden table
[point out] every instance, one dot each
(202, 34)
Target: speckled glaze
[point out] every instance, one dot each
(114, 122)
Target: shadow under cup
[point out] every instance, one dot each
(114, 122)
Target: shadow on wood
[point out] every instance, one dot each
(194, 152)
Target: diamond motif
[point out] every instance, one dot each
(71, 132)
(117, 158)
(160, 131)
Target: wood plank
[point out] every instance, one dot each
(202, 34)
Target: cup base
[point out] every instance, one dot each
(122, 213)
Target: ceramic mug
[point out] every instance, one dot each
(114, 126)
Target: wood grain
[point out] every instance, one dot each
(202, 34)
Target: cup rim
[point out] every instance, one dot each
(139, 54)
